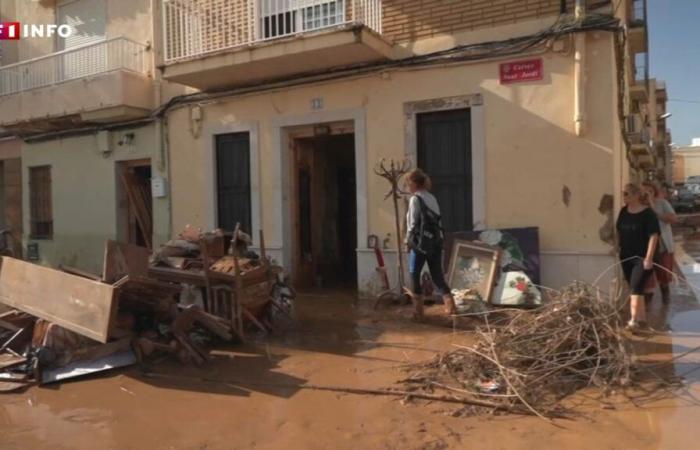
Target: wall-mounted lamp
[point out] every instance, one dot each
(665, 116)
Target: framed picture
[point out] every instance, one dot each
(474, 266)
(520, 248)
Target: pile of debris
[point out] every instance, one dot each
(66, 323)
(531, 359)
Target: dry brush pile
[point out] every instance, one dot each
(530, 360)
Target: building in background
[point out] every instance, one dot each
(686, 162)
(274, 113)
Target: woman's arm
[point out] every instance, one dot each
(412, 217)
(651, 251)
(668, 218)
(668, 214)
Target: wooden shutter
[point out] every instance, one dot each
(40, 204)
(233, 181)
(444, 152)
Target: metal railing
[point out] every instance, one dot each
(193, 28)
(639, 12)
(111, 54)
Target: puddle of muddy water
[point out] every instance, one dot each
(338, 340)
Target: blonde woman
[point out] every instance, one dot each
(425, 240)
(638, 237)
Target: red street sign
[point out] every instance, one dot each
(519, 71)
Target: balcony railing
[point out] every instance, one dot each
(79, 62)
(197, 27)
(639, 13)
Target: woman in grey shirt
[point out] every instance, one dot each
(425, 240)
(667, 217)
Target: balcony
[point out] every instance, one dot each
(215, 44)
(638, 136)
(100, 82)
(661, 92)
(638, 27)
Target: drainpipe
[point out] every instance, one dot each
(579, 75)
(162, 150)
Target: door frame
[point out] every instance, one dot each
(125, 213)
(282, 206)
(478, 151)
(299, 268)
(210, 193)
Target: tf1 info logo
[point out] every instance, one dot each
(14, 30)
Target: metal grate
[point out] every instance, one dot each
(196, 27)
(78, 62)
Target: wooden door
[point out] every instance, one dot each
(302, 205)
(135, 178)
(445, 153)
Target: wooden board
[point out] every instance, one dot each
(124, 259)
(9, 360)
(76, 303)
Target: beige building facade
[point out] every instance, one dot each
(527, 166)
(275, 114)
(84, 181)
(686, 163)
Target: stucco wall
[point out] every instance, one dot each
(687, 163)
(129, 18)
(531, 151)
(84, 195)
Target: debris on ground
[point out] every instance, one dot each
(69, 323)
(530, 360)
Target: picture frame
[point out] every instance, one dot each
(474, 266)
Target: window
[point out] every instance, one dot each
(322, 15)
(233, 181)
(445, 153)
(40, 209)
(286, 17)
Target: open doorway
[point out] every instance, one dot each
(325, 210)
(135, 206)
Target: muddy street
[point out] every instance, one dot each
(250, 397)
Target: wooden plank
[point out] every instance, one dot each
(9, 360)
(76, 303)
(140, 205)
(122, 259)
(78, 272)
(177, 276)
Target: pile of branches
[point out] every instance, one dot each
(530, 360)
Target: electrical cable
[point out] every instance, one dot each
(460, 53)
(679, 100)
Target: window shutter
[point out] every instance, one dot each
(88, 19)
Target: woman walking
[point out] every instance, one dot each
(667, 217)
(638, 236)
(425, 241)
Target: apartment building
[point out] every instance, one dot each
(82, 180)
(274, 113)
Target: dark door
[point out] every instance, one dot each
(445, 153)
(233, 181)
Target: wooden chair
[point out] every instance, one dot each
(222, 299)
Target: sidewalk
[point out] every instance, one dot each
(687, 253)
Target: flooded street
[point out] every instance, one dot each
(250, 396)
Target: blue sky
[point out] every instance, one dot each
(674, 40)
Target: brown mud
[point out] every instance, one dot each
(257, 402)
